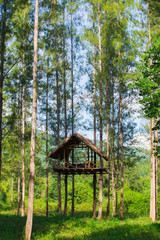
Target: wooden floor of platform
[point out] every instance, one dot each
(80, 170)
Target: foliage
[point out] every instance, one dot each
(149, 82)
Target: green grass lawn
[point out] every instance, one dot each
(80, 227)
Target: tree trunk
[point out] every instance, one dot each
(64, 70)
(19, 175)
(65, 102)
(100, 88)
(3, 38)
(117, 169)
(58, 118)
(108, 154)
(121, 146)
(153, 214)
(153, 190)
(156, 172)
(94, 120)
(12, 191)
(72, 213)
(113, 155)
(59, 194)
(47, 142)
(33, 133)
(23, 146)
(18, 190)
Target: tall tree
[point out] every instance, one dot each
(113, 150)
(65, 99)
(29, 221)
(94, 118)
(3, 45)
(100, 111)
(72, 80)
(121, 143)
(47, 139)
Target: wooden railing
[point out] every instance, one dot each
(87, 164)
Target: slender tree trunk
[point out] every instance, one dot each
(58, 119)
(94, 120)
(153, 199)
(65, 101)
(117, 183)
(19, 175)
(29, 222)
(121, 146)
(108, 153)
(72, 213)
(66, 191)
(47, 142)
(19, 147)
(12, 191)
(153, 190)
(59, 194)
(23, 146)
(156, 172)
(64, 69)
(100, 88)
(18, 190)
(113, 155)
(3, 38)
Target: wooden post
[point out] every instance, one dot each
(72, 213)
(92, 156)
(94, 189)
(65, 181)
(59, 188)
(88, 159)
(85, 157)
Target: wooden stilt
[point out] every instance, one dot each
(65, 182)
(59, 189)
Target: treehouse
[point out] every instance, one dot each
(77, 155)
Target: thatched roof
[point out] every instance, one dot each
(74, 140)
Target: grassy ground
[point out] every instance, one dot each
(80, 227)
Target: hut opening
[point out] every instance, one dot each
(77, 155)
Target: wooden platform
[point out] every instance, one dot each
(80, 170)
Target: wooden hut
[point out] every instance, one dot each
(78, 155)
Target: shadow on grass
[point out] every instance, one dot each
(80, 227)
(121, 232)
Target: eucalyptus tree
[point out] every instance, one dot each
(29, 222)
